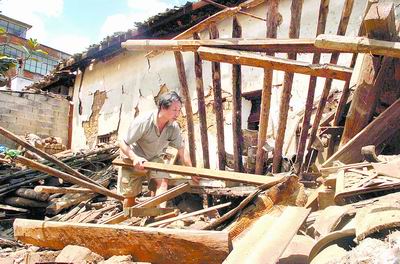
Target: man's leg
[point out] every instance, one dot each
(129, 185)
(161, 187)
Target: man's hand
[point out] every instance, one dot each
(138, 163)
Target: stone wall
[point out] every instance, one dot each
(43, 115)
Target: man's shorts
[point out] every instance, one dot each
(129, 182)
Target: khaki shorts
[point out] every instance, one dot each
(129, 182)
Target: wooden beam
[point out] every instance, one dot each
(303, 45)
(206, 173)
(377, 132)
(371, 74)
(198, 71)
(154, 201)
(323, 14)
(154, 245)
(183, 216)
(275, 63)
(344, 21)
(67, 177)
(188, 105)
(359, 45)
(294, 32)
(272, 26)
(237, 105)
(52, 189)
(62, 165)
(218, 106)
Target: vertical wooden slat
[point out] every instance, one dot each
(346, 88)
(198, 70)
(216, 77)
(344, 21)
(237, 104)
(323, 14)
(188, 106)
(272, 26)
(294, 32)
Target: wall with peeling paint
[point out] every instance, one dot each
(130, 82)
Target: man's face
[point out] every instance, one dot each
(173, 112)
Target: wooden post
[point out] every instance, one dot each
(198, 70)
(237, 104)
(380, 24)
(272, 26)
(70, 124)
(344, 21)
(188, 105)
(294, 32)
(46, 156)
(66, 177)
(218, 107)
(346, 88)
(323, 14)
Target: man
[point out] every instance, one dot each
(148, 136)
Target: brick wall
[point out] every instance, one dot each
(40, 114)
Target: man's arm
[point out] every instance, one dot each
(185, 158)
(137, 161)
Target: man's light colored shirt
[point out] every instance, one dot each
(146, 140)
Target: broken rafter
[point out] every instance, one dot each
(275, 63)
(67, 177)
(240, 12)
(46, 156)
(203, 25)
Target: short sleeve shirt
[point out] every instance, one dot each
(145, 139)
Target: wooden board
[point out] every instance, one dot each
(155, 245)
(273, 243)
(206, 173)
(359, 45)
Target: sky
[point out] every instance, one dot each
(72, 25)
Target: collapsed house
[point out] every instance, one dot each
(247, 118)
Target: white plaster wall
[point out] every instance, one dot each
(131, 81)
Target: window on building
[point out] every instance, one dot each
(12, 28)
(40, 64)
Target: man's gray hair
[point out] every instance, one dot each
(167, 99)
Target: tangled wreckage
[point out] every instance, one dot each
(296, 192)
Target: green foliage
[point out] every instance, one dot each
(6, 63)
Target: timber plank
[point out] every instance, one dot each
(270, 62)
(359, 45)
(155, 245)
(206, 173)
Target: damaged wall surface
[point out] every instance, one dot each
(131, 81)
(40, 114)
